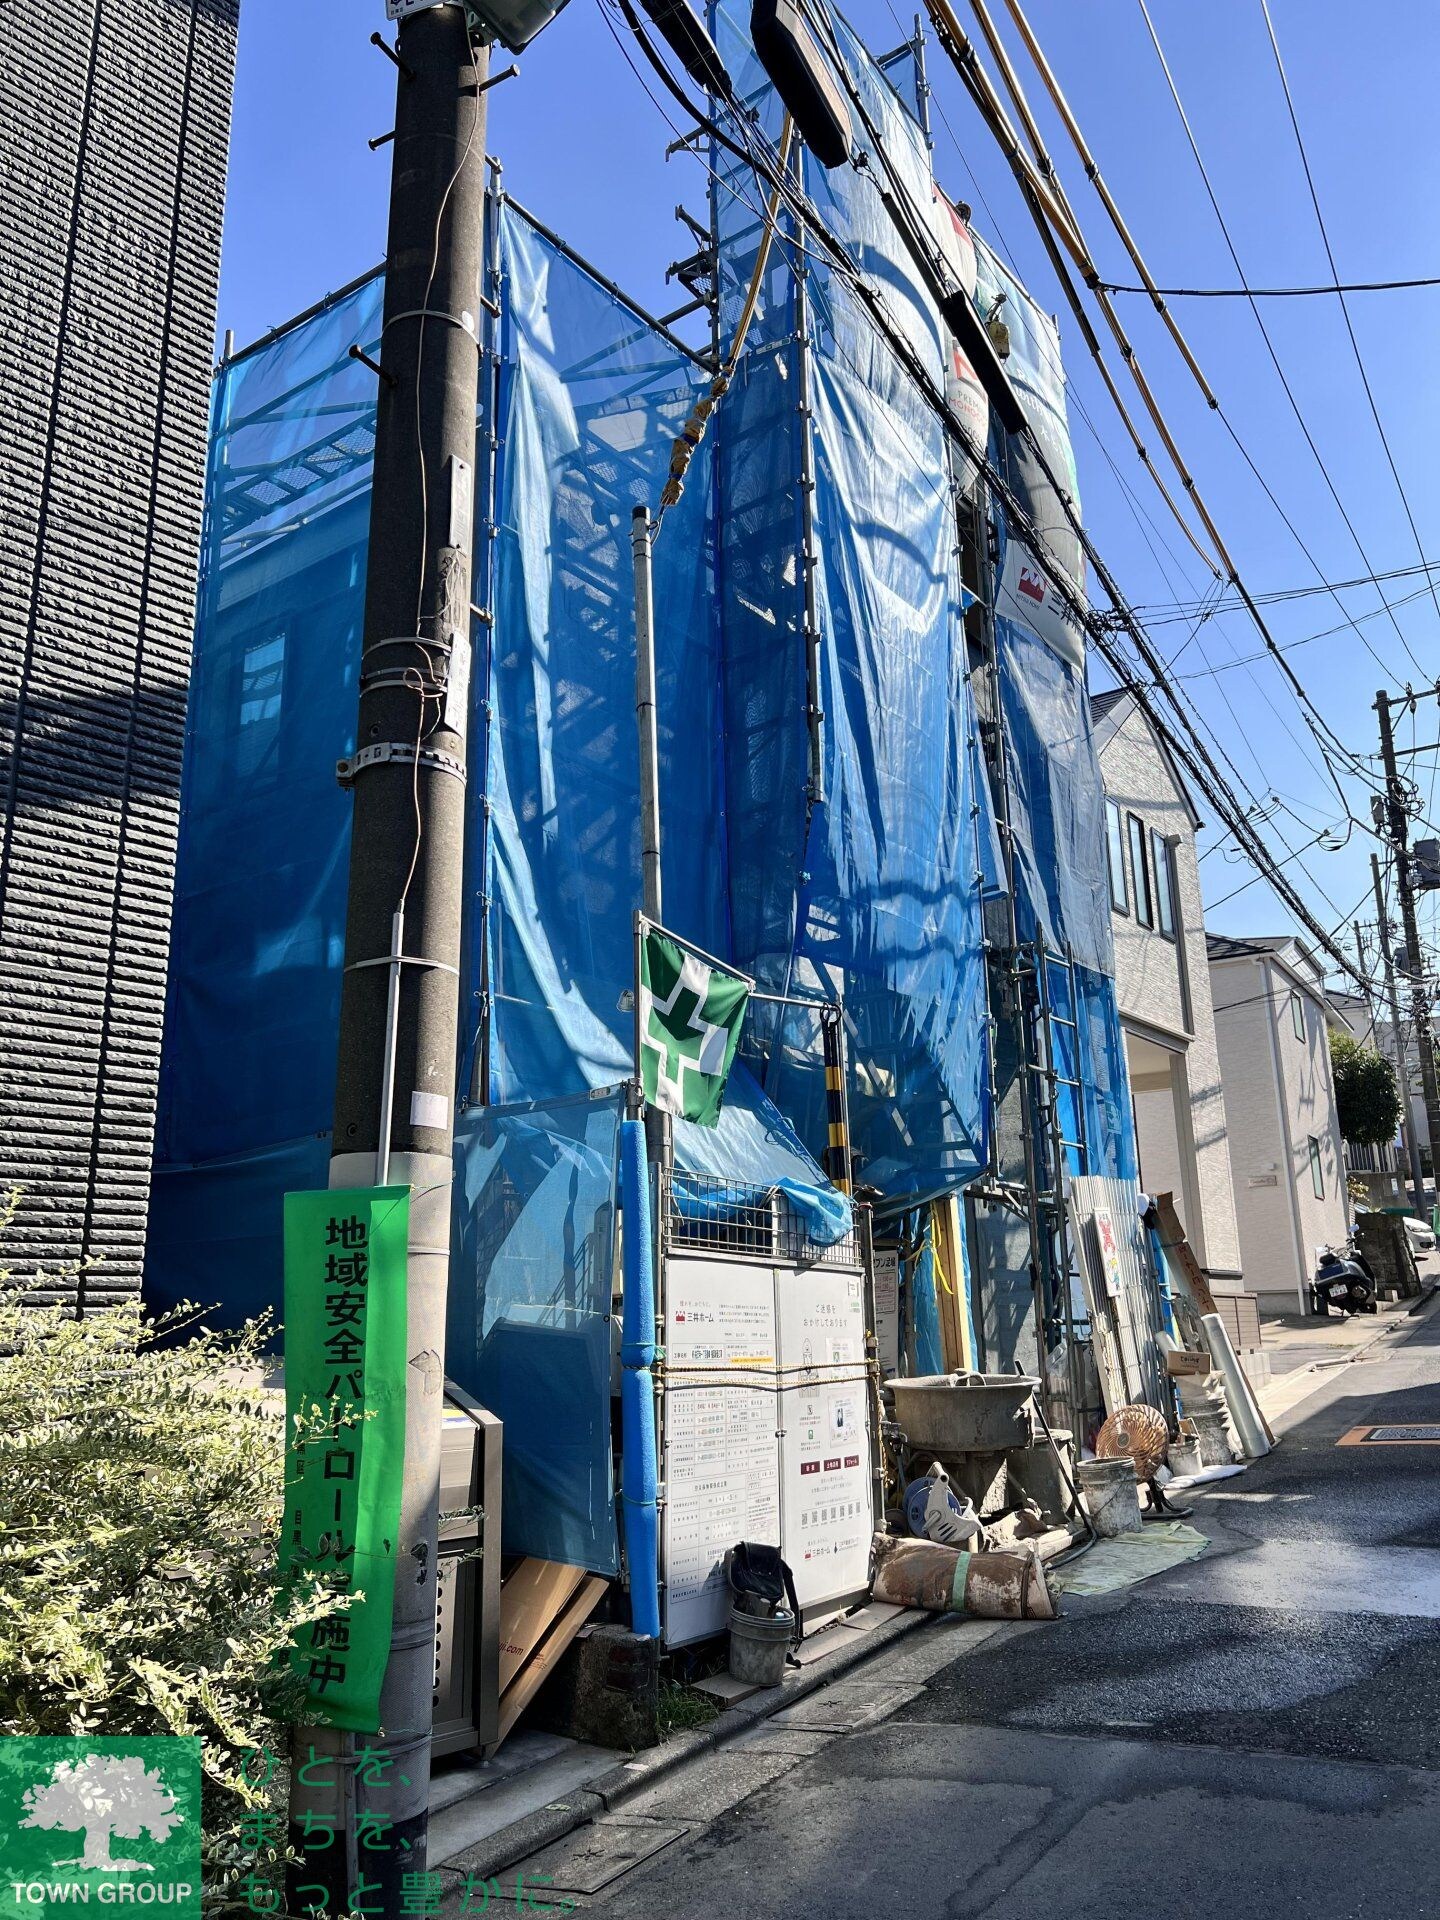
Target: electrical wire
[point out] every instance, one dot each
(1335, 277)
(962, 54)
(1191, 751)
(1269, 293)
(1270, 348)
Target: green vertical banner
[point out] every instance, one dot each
(345, 1380)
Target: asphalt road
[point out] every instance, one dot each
(1257, 1732)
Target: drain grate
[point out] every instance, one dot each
(1413, 1435)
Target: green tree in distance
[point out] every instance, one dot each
(1366, 1093)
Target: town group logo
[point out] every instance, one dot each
(112, 1824)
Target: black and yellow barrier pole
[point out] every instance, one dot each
(837, 1151)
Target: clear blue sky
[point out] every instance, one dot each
(583, 146)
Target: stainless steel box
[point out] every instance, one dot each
(467, 1579)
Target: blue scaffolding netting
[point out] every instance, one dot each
(826, 816)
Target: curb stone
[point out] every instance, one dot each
(584, 1805)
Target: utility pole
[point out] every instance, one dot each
(1398, 819)
(1407, 1130)
(395, 1078)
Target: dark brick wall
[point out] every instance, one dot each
(114, 125)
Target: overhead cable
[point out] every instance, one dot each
(962, 53)
(1185, 742)
(1270, 293)
(1335, 277)
(1327, 741)
(1270, 348)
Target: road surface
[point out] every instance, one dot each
(1257, 1732)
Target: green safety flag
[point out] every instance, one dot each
(690, 1014)
(345, 1381)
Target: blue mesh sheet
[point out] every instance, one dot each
(1109, 1115)
(591, 401)
(264, 841)
(1057, 801)
(863, 883)
(532, 1268)
(216, 1230)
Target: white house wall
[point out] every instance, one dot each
(1278, 1093)
(1140, 780)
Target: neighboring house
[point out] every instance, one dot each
(1379, 1174)
(1414, 1084)
(1285, 1147)
(1163, 983)
(114, 124)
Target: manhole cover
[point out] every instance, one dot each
(1410, 1435)
(591, 1859)
(1404, 1433)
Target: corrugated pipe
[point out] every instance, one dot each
(637, 1387)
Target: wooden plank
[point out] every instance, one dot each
(563, 1630)
(1177, 1248)
(531, 1598)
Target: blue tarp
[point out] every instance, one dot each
(855, 875)
(590, 398)
(532, 1267)
(860, 875)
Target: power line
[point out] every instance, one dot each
(1158, 612)
(1270, 293)
(1344, 306)
(1190, 750)
(963, 56)
(1270, 348)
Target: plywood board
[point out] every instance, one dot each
(531, 1598)
(541, 1664)
(950, 1286)
(1177, 1250)
(1107, 1366)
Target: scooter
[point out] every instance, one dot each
(1344, 1282)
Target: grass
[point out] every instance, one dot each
(683, 1708)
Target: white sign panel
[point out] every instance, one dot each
(887, 1308)
(767, 1433)
(825, 1488)
(722, 1472)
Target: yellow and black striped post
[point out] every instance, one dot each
(837, 1152)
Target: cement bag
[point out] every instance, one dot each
(989, 1586)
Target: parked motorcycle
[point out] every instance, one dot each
(1344, 1282)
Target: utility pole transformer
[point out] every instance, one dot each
(395, 1078)
(1398, 822)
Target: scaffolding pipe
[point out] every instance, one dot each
(638, 1475)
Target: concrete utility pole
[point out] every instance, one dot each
(395, 1079)
(1398, 818)
(1407, 1131)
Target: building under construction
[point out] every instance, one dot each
(879, 798)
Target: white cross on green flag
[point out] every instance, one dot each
(690, 1013)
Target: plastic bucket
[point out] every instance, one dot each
(758, 1645)
(1112, 1496)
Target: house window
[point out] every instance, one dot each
(1140, 867)
(1317, 1172)
(1297, 1015)
(1115, 858)
(1163, 864)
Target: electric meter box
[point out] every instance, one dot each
(467, 1578)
